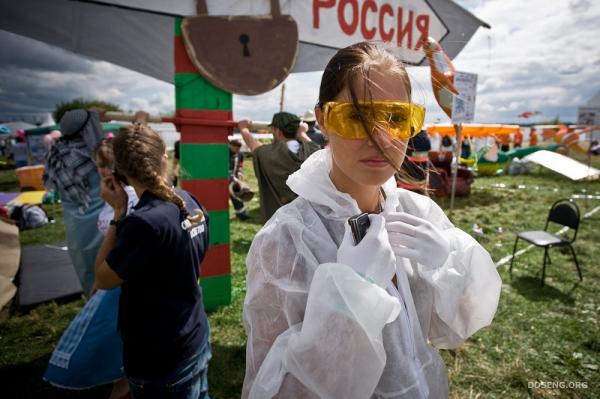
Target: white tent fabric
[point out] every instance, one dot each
(564, 165)
(138, 34)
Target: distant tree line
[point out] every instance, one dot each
(81, 103)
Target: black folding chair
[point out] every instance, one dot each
(563, 212)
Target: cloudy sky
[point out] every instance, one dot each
(540, 55)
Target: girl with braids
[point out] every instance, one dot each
(154, 254)
(330, 315)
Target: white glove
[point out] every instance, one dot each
(373, 257)
(417, 239)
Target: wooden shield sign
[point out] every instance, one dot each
(242, 54)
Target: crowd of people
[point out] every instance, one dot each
(328, 313)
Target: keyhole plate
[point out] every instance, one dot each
(244, 39)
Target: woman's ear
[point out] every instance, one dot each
(320, 119)
(164, 163)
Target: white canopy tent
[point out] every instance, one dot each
(564, 165)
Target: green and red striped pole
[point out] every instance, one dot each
(204, 161)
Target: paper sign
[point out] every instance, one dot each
(463, 105)
(588, 116)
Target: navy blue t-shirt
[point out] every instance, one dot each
(161, 316)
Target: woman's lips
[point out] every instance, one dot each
(375, 162)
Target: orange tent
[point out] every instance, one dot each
(473, 130)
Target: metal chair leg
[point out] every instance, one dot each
(544, 267)
(513, 256)
(576, 263)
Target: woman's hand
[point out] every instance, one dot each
(301, 132)
(141, 117)
(113, 193)
(417, 239)
(373, 257)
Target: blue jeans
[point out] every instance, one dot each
(189, 380)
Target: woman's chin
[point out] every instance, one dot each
(374, 176)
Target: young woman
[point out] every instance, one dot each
(329, 318)
(154, 254)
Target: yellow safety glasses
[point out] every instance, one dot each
(400, 120)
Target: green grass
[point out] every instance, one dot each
(549, 334)
(8, 181)
(539, 334)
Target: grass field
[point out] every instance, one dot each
(548, 334)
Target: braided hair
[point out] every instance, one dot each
(139, 152)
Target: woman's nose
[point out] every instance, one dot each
(377, 134)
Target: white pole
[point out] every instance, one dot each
(457, 151)
(281, 100)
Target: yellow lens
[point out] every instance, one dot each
(400, 120)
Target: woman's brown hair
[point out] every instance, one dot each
(139, 153)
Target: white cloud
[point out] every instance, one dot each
(300, 94)
(538, 55)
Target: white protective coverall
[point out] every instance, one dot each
(316, 328)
